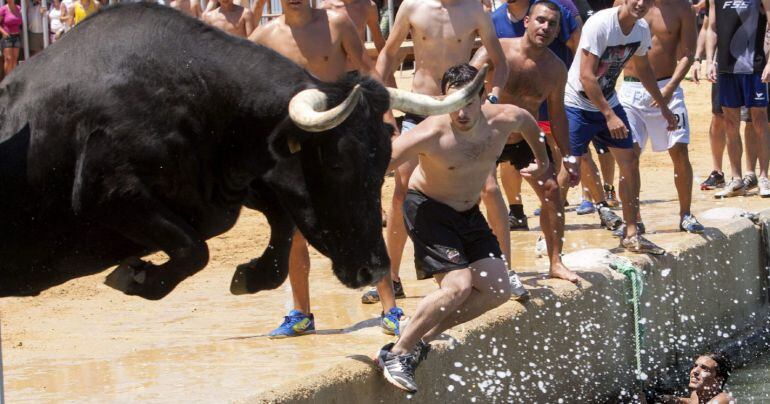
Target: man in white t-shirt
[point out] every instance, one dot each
(611, 38)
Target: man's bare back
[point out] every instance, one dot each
(231, 18)
(454, 165)
(321, 44)
(669, 21)
(443, 32)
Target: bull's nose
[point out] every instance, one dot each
(364, 276)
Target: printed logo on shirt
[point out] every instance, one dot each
(611, 64)
(736, 4)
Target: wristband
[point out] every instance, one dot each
(492, 99)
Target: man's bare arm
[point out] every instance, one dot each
(373, 22)
(422, 139)
(494, 50)
(589, 63)
(248, 21)
(556, 113)
(521, 121)
(686, 48)
(766, 70)
(700, 51)
(257, 10)
(647, 77)
(711, 43)
(479, 59)
(352, 44)
(389, 55)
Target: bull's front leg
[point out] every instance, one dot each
(150, 224)
(269, 270)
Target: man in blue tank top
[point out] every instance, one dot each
(736, 29)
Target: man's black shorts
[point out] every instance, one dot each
(445, 239)
(520, 154)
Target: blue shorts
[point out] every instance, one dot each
(739, 90)
(585, 126)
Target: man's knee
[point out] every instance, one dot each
(459, 289)
(627, 160)
(679, 153)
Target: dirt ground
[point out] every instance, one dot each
(83, 341)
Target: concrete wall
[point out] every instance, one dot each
(578, 343)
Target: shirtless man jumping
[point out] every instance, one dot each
(536, 74)
(444, 33)
(672, 26)
(325, 43)
(231, 18)
(452, 241)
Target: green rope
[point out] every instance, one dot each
(635, 275)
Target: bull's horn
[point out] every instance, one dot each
(425, 105)
(308, 109)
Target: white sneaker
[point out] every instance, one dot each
(764, 187)
(518, 292)
(735, 187)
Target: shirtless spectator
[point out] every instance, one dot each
(672, 25)
(443, 34)
(364, 15)
(708, 376)
(189, 7)
(536, 75)
(324, 42)
(231, 18)
(452, 241)
(508, 20)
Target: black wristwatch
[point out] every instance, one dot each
(492, 99)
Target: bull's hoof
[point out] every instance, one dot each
(251, 278)
(138, 278)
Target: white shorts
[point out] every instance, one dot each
(647, 122)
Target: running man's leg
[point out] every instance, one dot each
(395, 235)
(463, 295)
(299, 273)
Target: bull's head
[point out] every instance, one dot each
(335, 174)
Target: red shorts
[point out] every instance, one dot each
(545, 126)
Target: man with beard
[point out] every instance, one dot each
(536, 75)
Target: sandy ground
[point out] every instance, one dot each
(83, 341)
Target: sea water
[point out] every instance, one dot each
(751, 383)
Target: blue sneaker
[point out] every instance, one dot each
(295, 324)
(390, 322)
(585, 208)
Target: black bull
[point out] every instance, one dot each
(143, 130)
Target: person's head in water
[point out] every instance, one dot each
(455, 78)
(542, 23)
(709, 373)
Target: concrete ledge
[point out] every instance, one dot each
(709, 292)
